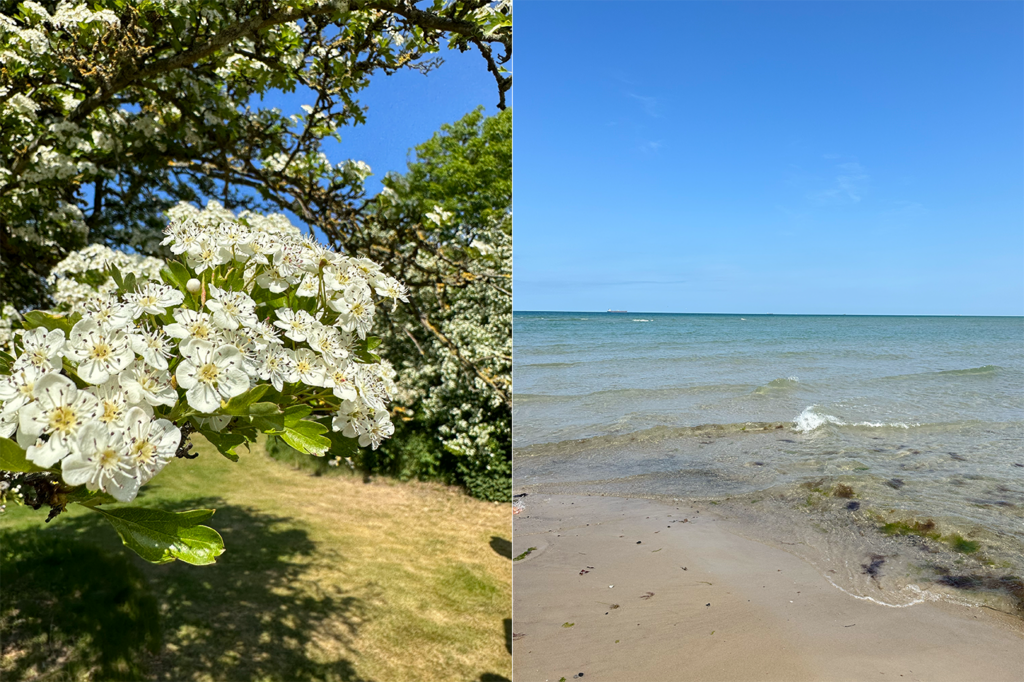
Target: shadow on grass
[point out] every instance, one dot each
(501, 546)
(77, 605)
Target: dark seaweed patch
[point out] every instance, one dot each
(874, 569)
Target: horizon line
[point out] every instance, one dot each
(649, 312)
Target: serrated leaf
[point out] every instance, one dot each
(240, 404)
(306, 436)
(160, 537)
(12, 458)
(224, 442)
(49, 321)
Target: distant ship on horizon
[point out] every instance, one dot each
(618, 311)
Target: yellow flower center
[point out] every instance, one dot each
(209, 373)
(111, 412)
(63, 419)
(108, 458)
(101, 351)
(143, 451)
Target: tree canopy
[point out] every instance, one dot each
(111, 113)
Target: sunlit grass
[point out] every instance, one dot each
(324, 578)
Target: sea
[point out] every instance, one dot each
(886, 451)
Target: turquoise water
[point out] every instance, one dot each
(764, 415)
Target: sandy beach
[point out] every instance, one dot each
(626, 589)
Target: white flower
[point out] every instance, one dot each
(275, 364)
(59, 411)
(309, 287)
(42, 349)
(231, 308)
(193, 285)
(151, 443)
(114, 402)
(377, 429)
(99, 353)
(211, 374)
(339, 377)
(327, 341)
(264, 334)
(154, 299)
(206, 254)
(190, 324)
(148, 385)
(153, 346)
(296, 324)
(16, 389)
(350, 420)
(108, 313)
(101, 462)
(309, 367)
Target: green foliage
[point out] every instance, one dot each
(161, 537)
(12, 458)
(447, 222)
(116, 110)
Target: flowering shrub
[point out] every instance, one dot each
(255, 330)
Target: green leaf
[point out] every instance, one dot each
(366, 357)
(239, 405)
(12, 458)
(372, 342)
(160, 537)
(306, 436)
(88, 498)
(128, 285)
(293, 414)
(341, 446)
(224, 442)
(176, 274)
(49, 321)
(264, 409)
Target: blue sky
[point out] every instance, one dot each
(406, 109)
(784, 157)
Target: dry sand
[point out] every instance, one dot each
(694, 601)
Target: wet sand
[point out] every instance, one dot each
(625, 589)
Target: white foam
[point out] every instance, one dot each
(808, 420)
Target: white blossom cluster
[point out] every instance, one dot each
(70, 278)
(261, 304)
(7, 316)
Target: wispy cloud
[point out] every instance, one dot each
(848, 186)
(649, 104)
(651, 146)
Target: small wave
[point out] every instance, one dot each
(777, 385)
(652, 435)
(643, 320)
(986, 369)
(808, 421)
(550, 365)
(983, 371)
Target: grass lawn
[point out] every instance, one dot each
(324, 578)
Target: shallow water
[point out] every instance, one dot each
(921, 417)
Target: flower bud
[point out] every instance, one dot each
(193, 285)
